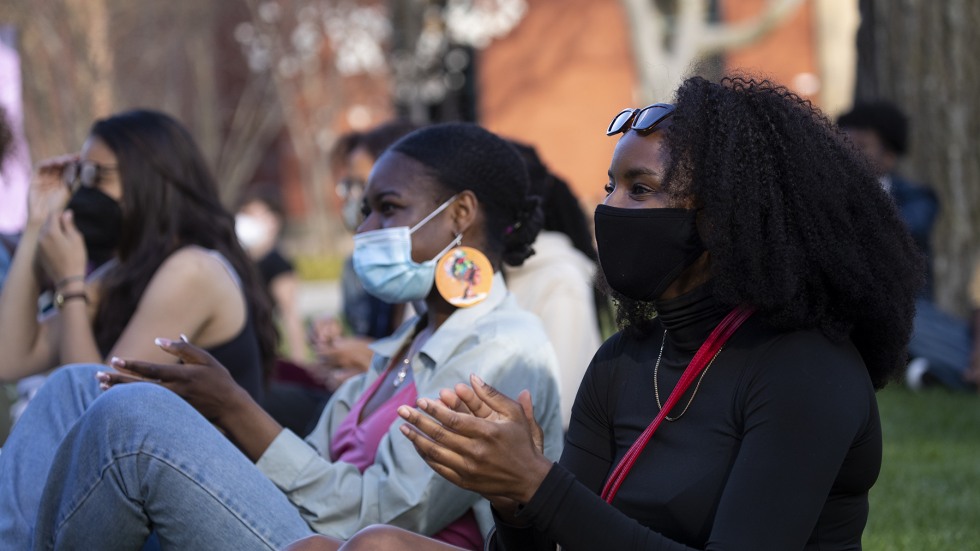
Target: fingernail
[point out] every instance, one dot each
(405, 430)
(404, 412)
(478, 380)
(184, 338)
(104, 386)
(101, 375)
(116, 361)
(423, 404)
(160, 341)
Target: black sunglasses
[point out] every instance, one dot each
(83, 174)
(643, 120)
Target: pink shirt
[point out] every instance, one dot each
(357, 443)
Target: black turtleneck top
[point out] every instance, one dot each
(777, 451)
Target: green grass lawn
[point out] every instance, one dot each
(928, 494)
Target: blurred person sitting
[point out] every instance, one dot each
(6, 243)
(176, 270)
(946, 348)
(879, 130)
(258, 224)
(556, 284)
(939, 346)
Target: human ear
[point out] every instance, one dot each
(464, 211)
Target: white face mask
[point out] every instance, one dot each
(250, 230)
(383, 262)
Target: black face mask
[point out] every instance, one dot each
(642, 251)
(99, 218)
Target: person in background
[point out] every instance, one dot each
(99, 470)
(742, 415)
(879, 130)
(972, 374)
(292, 396)
(556, 284)
(177, 267)
(258, 225)
(945, 348)
(940, 344)
(6, 243)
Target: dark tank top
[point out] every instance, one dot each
(241, 354)
(242, 357)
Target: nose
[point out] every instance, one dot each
(369, 223)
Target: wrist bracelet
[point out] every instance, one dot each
(68, 280)
(61, 298)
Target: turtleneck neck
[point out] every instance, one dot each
(691, 317)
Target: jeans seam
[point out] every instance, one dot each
(175, 468)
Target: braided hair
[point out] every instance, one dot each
(461, 157)
(795, 221)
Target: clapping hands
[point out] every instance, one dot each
(480, 440)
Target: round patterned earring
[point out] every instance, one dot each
(464, 276)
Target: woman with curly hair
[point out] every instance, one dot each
(743, 415)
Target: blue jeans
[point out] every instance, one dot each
(945, 341)
(86, 469)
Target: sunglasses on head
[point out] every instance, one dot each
(83, 174)
(643, 120)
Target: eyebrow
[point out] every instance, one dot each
(385, 193)
(637, 171)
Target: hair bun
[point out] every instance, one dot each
(521, 234)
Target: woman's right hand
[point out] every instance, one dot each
(48, 193)
(495, 449)
(61, 249)
(199, 379)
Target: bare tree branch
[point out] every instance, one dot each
(719, 37)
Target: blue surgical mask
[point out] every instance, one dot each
(383, 262)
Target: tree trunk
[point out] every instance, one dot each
(922, 55)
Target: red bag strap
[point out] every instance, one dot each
(711, 346)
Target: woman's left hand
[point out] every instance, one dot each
(199, 379)
(491, 446)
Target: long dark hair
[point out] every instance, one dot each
(795, 220)
(169, 201)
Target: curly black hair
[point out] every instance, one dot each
(463, 156)
(795, 221)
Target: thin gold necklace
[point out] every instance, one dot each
(656, 387)
(413, 348)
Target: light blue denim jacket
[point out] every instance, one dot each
(495, 339)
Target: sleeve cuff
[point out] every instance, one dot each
(546, 501)
(285, 459)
